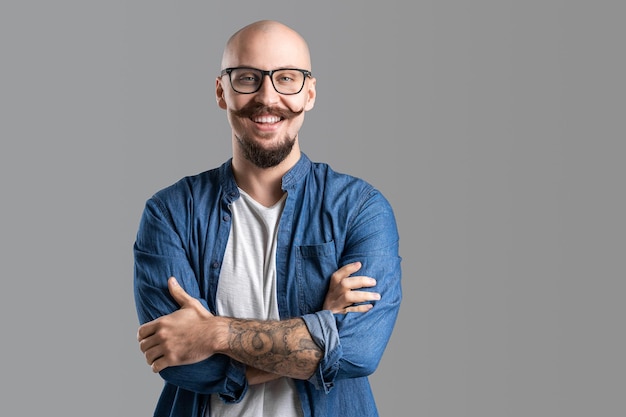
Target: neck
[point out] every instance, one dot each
(264, 185)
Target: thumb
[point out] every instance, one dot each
(178, 292)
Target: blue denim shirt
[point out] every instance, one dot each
(329, 220)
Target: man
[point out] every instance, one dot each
(261, 315)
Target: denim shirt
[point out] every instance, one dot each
(329, 220)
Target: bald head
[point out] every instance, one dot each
(267, 44)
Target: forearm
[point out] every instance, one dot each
(278, 347)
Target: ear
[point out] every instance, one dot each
(311, 93)
(219, 93)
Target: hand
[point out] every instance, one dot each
(178, 338)
(341, 295)
(256, 376)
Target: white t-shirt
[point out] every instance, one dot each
(247, 289)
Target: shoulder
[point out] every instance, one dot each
(346, 195)
(192, 186)
(344, 185)
(191, 194)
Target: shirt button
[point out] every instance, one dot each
(226, 217)
(215, 264)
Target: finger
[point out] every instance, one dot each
(146, 330)
(148, 343)
(361, 308)
(159, 364)
(179, 294)
(352, 267)
(153, 354)
(346, 271)
(352, 283)
(354, 297)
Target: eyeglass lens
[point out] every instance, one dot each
(248, 80)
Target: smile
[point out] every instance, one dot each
(266, 119)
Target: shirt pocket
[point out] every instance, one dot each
(315, 265)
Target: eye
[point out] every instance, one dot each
(247, 77)
(287, 77)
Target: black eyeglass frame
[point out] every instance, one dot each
(269, 73)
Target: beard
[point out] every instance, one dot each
(265, 157)
(258, 155)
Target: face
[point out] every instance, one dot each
(265, 124)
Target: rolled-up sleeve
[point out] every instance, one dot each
(323, 330)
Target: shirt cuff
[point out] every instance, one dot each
(323, 329)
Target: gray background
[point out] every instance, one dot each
(495, 128)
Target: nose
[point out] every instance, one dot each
(267, 94)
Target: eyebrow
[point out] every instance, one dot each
(276, 67)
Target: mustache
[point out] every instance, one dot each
(253, 109)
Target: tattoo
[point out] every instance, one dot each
(280, 347)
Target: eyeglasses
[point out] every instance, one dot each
(249, 80)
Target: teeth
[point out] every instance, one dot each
(267, 119)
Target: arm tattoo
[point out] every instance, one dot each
(281, 347)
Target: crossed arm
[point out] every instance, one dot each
(270, 349)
